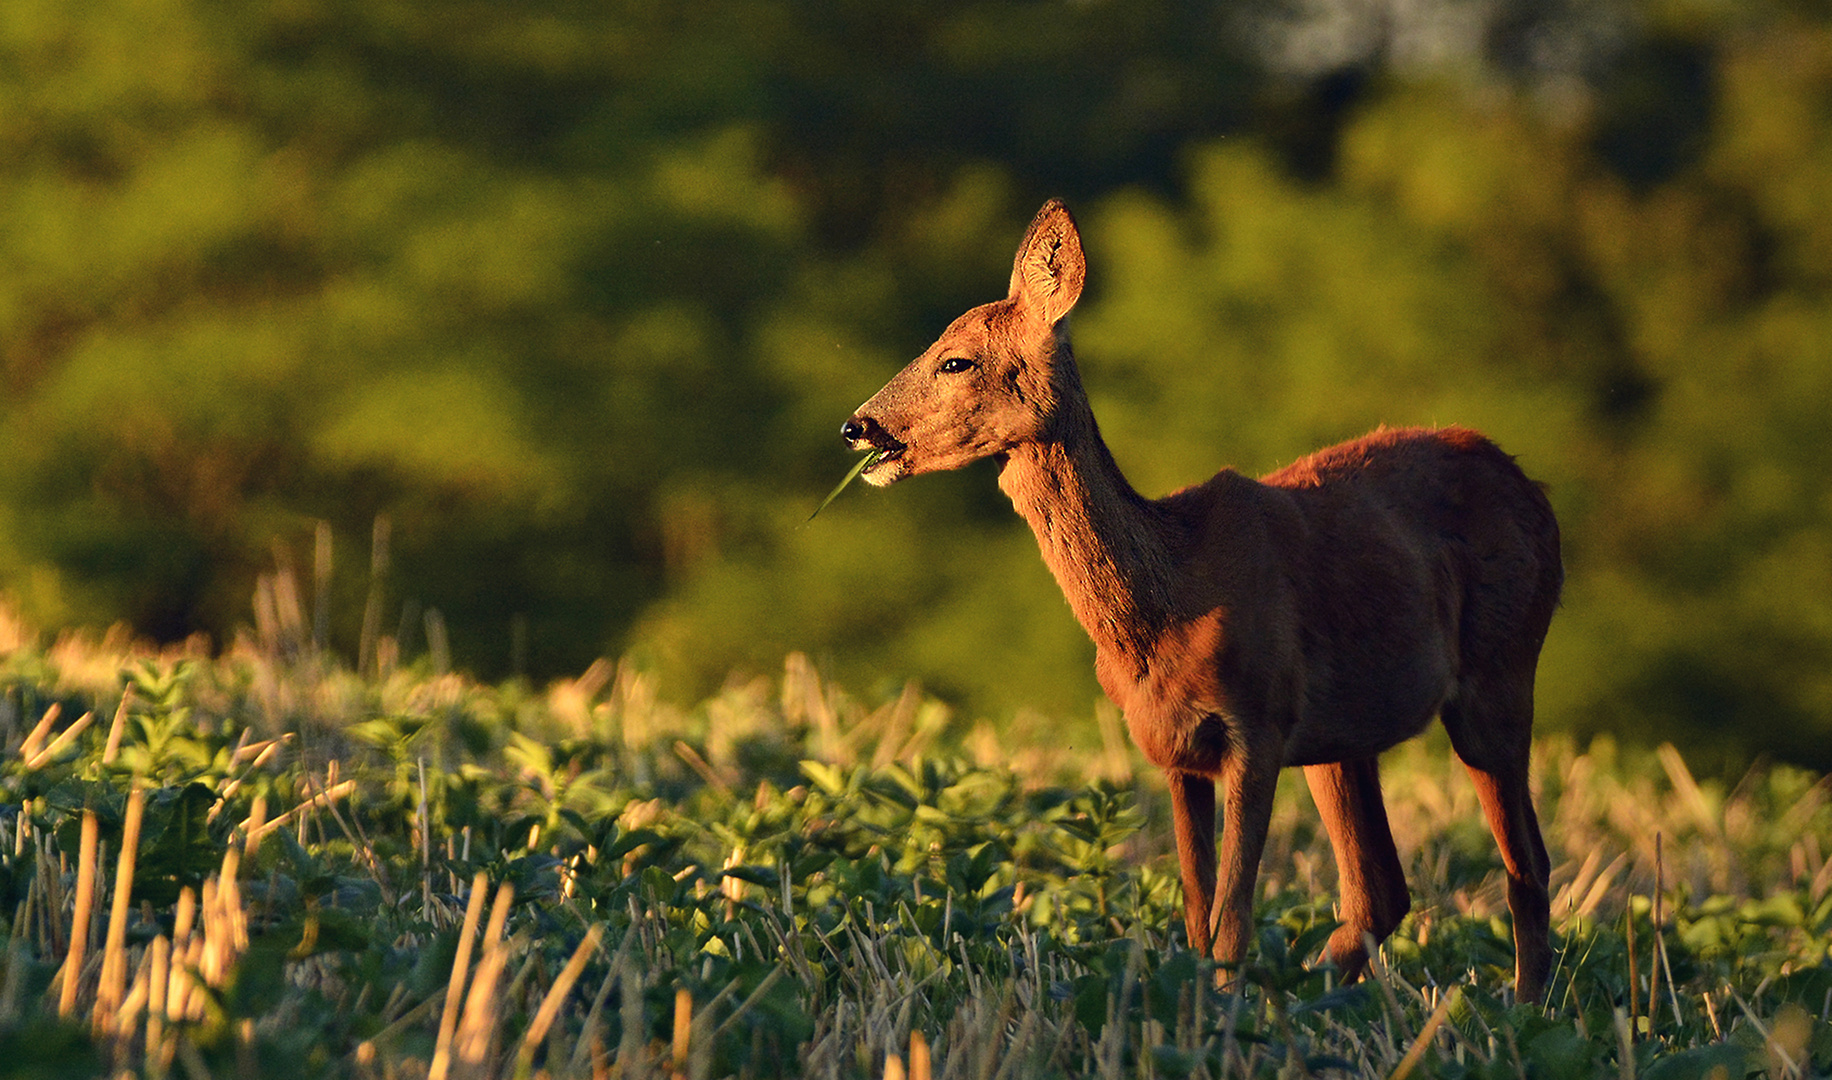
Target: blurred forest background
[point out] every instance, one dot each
(574, 296)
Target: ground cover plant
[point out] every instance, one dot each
(264, 863)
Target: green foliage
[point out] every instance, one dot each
(821, 913)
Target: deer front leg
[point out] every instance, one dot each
(1192, 812)
(1250, 776)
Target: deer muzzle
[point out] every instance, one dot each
(865, 433)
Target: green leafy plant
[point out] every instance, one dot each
(318, 904)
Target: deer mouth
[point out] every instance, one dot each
(885, 458)
(886, 465)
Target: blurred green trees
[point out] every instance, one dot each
(576, 296)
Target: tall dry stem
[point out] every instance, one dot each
(178, 994)
(556, 997)
(1634, 982)
(81, 915)
(113, 749)
(36, 737)
(126, 1020)
(448, 1019)
(1656, 950)
(478, 1023)
(683, 1032)
(64, 738)
(158, 983)
(1416, 1052)
(919, 1057)
(114, 955)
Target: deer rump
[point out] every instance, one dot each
(1314, 618)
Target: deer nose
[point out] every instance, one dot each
(852, 430)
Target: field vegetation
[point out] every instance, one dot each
(267, 864)
(550, 313)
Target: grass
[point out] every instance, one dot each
(262, 863)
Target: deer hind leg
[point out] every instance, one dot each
(1373, 883)
(1491, 734)
(1192, 808)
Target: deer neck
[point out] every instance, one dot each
(1100, 538)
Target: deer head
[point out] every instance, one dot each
(995, 377)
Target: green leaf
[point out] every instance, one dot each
(863, 463)
(1091, 1003)
(1559, 1052)
(1700, 1062)
(829, 778)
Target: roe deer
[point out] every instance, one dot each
(1316, 617)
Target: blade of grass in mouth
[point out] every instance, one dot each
(864, 463)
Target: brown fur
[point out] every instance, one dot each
(1315, 618)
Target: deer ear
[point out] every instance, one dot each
(1049, 271)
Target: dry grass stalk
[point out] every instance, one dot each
(448, 1019)
(1634, 981)
(806, 701)
(353, 828)
(764, 987)
(178, 992)
(1785, 1037)
(262, 753)
(570, 700)
(252, 830)
(17, 961)
(919, 1057)
(1655, 950)
(423, 826)
(231, 915)
(36, 737)
(114, 954)
(214, 952)
(630, 1009)
(158, 983)
(1598, 885)
(731, 886)
(1416, 1052)
(323, 798)
(591, 1043)
(683, 1031)
(699, 765)
(200, 949)
(1384, 979)
(556, 997)
(113, 748)
(477, 1026)
(64, 738)
(126, 1019)
(1686, 789)
(51, 896)
(80, 916)
(23, 923)
(1625, 1038)
(895, 723)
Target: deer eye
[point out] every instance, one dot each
(955, 365)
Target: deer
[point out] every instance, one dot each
(1315, 617)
